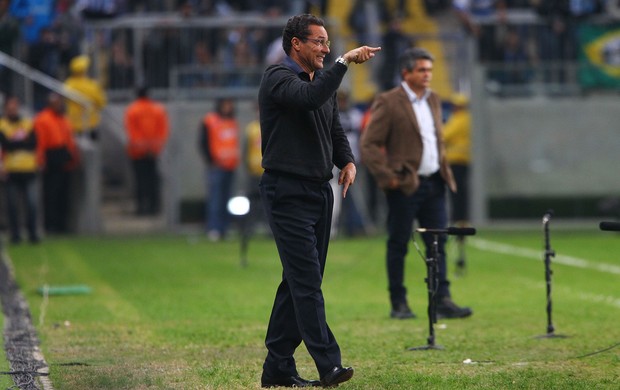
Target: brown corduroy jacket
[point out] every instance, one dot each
(392, 145)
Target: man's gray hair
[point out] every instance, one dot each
(409, 57)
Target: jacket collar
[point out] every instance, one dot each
(413, 98)
(294, 66)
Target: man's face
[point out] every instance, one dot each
(56, 103)
(11, 108)
(313, 49)
(419, 78)
(227, 108)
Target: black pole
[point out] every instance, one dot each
(549, 253)
(460, 262)
(432, 271)
(245, 238)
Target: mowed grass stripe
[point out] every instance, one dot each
(65, 266)
(78, 328)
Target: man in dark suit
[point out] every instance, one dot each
(403, 148)
(302, 139)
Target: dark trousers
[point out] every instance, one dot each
(147, 185)
(299, 213)
(428, 206)
(56, 184)
(219, 183)
(18, 189)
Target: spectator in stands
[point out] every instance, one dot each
(33, 15)
(366, 18)
(84, 120)
(554, 40)
(434, 6)
(516, 59)
(185, 38)
(140, 6)
(201, 74)
(394, 42)
(19, 166)
(146, 122)
(9, 36)
(121, 69)
(471, 12)
(457, 139)
(159, 56)
(58, 155)
(240, 57)
(219, 144)
(557, 40)
(317, 7)
(97, 9)
(70, 33)
(44, 55)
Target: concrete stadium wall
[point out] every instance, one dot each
(562, 147)
(539, 152)
(552, 147)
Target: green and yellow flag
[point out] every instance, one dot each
(599, 55)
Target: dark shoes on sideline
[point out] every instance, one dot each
(337, 375)
(401, 311)
(446, 308)
(287, 381)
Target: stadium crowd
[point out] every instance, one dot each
(47, 34)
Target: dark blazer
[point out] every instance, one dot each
(392, 145)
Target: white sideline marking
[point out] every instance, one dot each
(581, 295)
(533, 254)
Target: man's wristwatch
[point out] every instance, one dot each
(342, 61)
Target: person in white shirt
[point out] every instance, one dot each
(403, 148)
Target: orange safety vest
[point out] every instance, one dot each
(54, 132)
(223, 137)
(147, 124)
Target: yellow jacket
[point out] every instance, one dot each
(18, 145)
(457, 137)
(82, 119)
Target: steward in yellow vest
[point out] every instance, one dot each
(19, 166)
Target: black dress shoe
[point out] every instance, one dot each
(337, 375)
(287, 381)
(446, 308)
(401, 311)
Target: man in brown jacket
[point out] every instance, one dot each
(403, 149)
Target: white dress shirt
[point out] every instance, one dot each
(429, 163)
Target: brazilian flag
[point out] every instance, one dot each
(599, 56)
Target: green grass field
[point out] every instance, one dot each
(178, 312)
